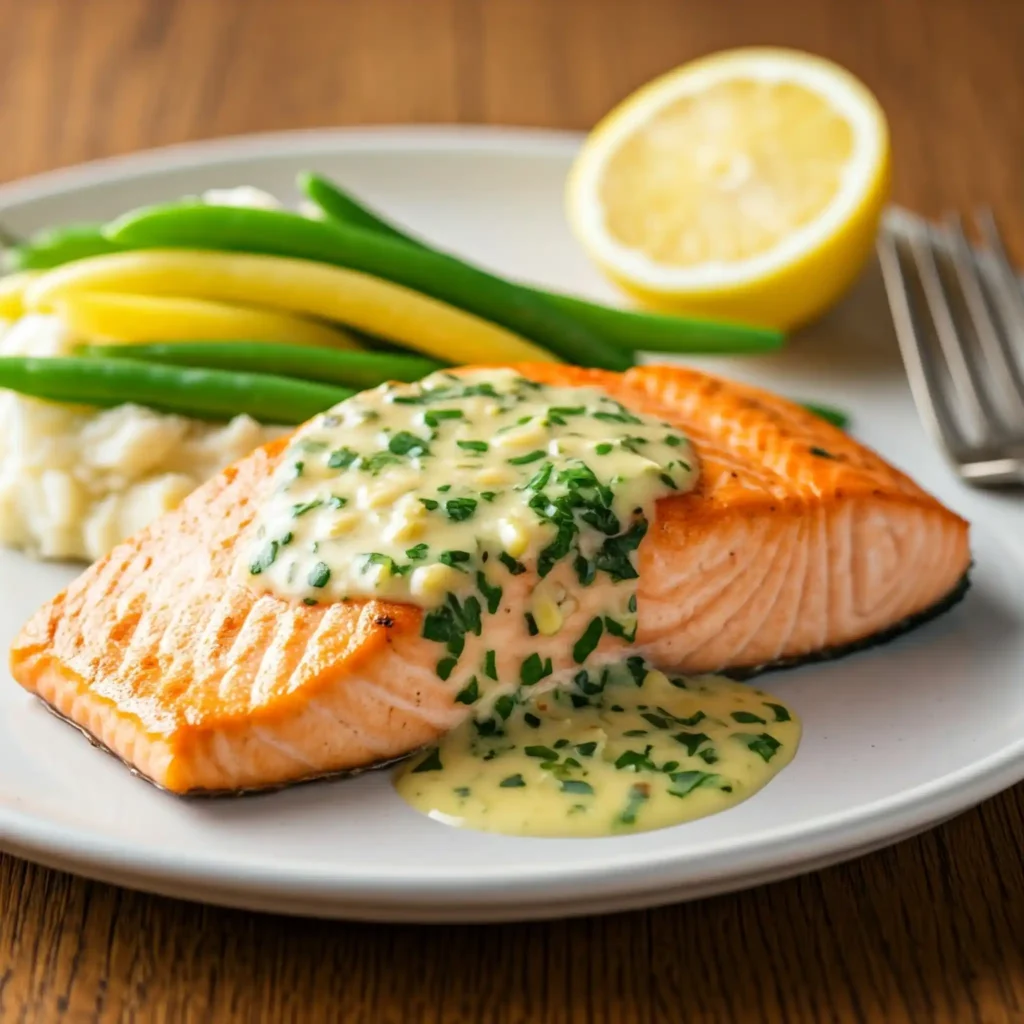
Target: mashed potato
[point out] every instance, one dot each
(76, 481)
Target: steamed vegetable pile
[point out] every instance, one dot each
(215, 310)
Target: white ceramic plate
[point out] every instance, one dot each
(896, 739)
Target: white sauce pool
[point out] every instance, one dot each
(617, 752)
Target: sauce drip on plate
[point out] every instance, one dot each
(627, 750)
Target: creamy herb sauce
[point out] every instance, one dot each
(625, 750)
(512, 512)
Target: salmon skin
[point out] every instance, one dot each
(797, 543)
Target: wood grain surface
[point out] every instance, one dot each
(931, 930)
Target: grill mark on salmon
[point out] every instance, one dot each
(778, 556)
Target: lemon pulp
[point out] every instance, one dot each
(725, 174)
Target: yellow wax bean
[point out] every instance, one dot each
(299, 286)
(137, 318)
(12, 293)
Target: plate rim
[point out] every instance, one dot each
(625, 875)
(368, 138)
(833, 835)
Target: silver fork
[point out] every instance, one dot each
(958, 310)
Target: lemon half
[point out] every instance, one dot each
(747, 185)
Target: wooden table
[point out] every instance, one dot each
(932, 929)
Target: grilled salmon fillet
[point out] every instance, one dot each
(797, 542)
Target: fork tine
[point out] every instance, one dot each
(995, 344)
(925, 386)
(1005, 286)
(993, 237)
(963, 369)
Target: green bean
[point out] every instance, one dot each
(342, 208)
(194, 225)
(661, 332)
(56, 246)
(642, 332)
(202, 394)
(830, 413)
(305, 362)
